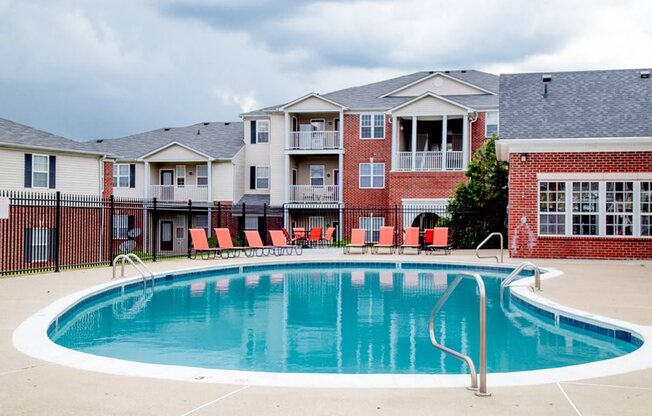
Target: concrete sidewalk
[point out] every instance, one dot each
(619, 289)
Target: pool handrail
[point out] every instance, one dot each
(130, 257)
(477, 249)
(515, 275)
(481, 386)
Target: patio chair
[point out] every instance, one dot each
(225, 243)
(440, 241)
(279, 242)
(299, 234)
(289, 238)
(328, 236)
(200, 244)
(411, 240)
(386, 240)
(315, 236)
(357, 241)
(256, 246)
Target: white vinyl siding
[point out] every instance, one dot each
(372, 126)
(372, 175)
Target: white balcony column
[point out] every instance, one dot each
(209, 193)
(287, 177)
(465, 141)
(414, 143)
(341, 132)
(444, 137)
(394, 143)
(340, 176)
(146, 191)
(288, 126)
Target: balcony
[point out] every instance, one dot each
(429, 161)
(178, 193)
(326, 194)
(314, 140)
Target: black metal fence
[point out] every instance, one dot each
(53, 231)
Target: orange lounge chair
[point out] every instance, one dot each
(411, 240)
(200, 243)
(357, 241)
(256, 246)
(288, 238)
(299, 234)
(279, 243)
(315, 236)
(225, 243)
(440, 241)
(386, 240)
(328, 237)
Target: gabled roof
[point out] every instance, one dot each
(435, 96)
(311, 95)
(436, 74)
(20, 135)
(371, 96)
(581, 104)
(217, 140)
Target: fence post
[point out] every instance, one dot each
(265, 223)
(154, 229)
(241, 237)
(111, 211)
(190, 224)
(396, 231)
(219, 215)
(57, 231)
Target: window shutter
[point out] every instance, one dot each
(132, 175)
(53, 172)
(28, 242)
(131, 224)
(28, 170)
(252, 177)
(52, 244)
(253, 131)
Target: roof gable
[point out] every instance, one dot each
(312, 102)
(429, 104)
(175, 152)
(437, 83)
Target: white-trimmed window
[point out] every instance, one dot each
(40, 171)
(262, 131)
(121, 175)
(317, 175)
(646, 209)
(120, 227)
(202, 175)
(586, 202)
(181, 175)
(371, 225)
(262, 177)
(40, 239)
(372, 126)
(491, 123)
(372, 175)
(620, 208)
(552, 208)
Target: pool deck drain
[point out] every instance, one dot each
(620, 290)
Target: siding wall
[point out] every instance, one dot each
(139, 190)
(258, 154)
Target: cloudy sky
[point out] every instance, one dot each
(90, 69)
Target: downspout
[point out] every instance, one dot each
(472, 120)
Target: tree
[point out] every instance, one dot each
(479, 206)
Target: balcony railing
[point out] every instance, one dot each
(178, 193)
(429, 161)
(314, 194)
(314, 140)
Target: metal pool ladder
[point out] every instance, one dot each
(477, 249)
(481, 385)
(130, 257)
(515, 275)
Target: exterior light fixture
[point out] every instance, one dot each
(523, 157)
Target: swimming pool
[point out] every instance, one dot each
(328, 318)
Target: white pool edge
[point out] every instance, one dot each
(32, 339)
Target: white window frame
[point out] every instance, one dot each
(372, 126)
(120, 227)
(599, 223)
(563, 214)
(40, 244)
(179, 235)
(180, 171)
(371, 176)
(323, 175)
(372, 226)
(46, 171)
(625, 217)
(486, 123)
(117, 175)
(643, 214)
(197, 176)
(267, 125)
(260, 177)
(249, 219)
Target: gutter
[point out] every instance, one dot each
(56, 149)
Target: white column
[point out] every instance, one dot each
(414, 142)
(146, 180)
(465, 141)
(444, 133)
(286, 164)
(209, 196)
(394, 143)
(340, 167)
(288, 126)
(341, 146)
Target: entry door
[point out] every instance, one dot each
(167, 243)
(167, 182)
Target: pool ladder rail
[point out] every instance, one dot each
(478, 382)
(145, 272)
(515, 275)
(477, 249)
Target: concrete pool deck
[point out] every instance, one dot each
(34, 387)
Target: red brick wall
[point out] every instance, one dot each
(523, 211)
(422, 185)
(477, 133)
(108, 179)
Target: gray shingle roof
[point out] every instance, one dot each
(20, 134)
(220, 140)
(369, 96)
(613, 103)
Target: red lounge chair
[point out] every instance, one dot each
(328, 237)
(200, 243)
(279, 243)
(357, 241)
(225, 243)
(288, 238)
(315, 236)
(256, 246)
(386, 240)
(440, 241)
(299, 235)
(411, 240)
(428, 237)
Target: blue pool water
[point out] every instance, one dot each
(324, 319)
